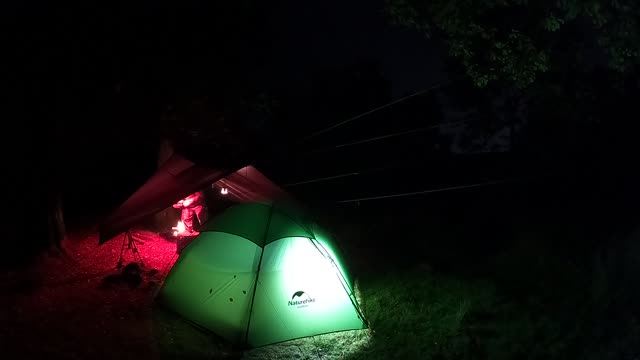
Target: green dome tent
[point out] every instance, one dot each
(302, 290)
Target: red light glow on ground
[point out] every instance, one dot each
(64, 307)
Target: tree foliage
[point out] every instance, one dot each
(517, 40)
(233, 128)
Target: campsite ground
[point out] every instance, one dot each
(511, 285)
(59, 308)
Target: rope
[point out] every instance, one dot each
(321, 179)
(382, 137)
(360, 172)
(166, 267)
(320, 132)
(429, 191)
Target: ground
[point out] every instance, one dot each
(535, 297)
(79, 307)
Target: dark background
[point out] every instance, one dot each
(90, 88)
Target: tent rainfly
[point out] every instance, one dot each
(259, 274)
(179, 177)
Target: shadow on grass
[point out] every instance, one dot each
(177, 338)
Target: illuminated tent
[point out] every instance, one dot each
(179, 177)
(302, 289)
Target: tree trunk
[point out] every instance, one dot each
(57, 228)
(55, 168)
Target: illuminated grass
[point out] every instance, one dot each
(412, 315)
(339, 345)
(416, 316)
(421, 315)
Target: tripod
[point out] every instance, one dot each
(129, 242)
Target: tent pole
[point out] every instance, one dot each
(350, 292)
(255, 287)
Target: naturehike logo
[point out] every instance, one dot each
(300, 303)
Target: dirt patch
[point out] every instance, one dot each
(67, 308)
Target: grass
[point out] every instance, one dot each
(412, 315)
(430, 316)
(531, 305)
(541, 296)
(339, 345)
(416, 315)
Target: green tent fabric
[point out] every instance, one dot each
(259, 274)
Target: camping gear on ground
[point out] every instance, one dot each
(259, 274)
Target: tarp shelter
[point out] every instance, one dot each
(259, 274)
(179, 177)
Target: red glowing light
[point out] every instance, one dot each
(179, 229)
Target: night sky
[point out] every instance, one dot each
(334, 33)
